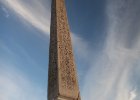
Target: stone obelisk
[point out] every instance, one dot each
(62, 77)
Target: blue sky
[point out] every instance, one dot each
(106, 42)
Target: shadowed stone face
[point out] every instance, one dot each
(62, 82)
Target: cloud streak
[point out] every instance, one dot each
(35, 12)
(5, 11)
(132, 95)
(110, 75)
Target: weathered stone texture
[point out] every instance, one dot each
(62, 81)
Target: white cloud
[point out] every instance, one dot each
(132, 95)
(14, 85)
(5, 11)
(109, 76)
(34, 12)
(81, 46)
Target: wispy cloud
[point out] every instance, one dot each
(133, 95)
(109, 77)
(81, 46)
(5, 11)
(15, 85)
(34, 12)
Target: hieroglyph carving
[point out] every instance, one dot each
(67, 66)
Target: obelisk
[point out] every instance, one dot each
(62, 77)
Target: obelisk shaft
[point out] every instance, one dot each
(62, 79)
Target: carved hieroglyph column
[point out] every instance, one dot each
(62, 79)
